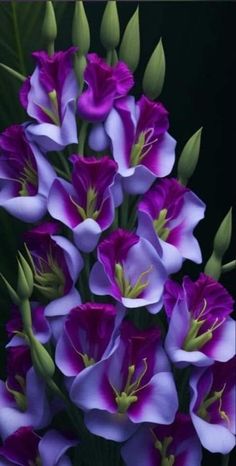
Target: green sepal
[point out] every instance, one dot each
(130, 45)
(110, 27)
(80, 29)
(13, 295)
(221, 243)
(49, 27)
(42, 361)
(154, 74)
(189, 157)
(24, 281)
(13, 73)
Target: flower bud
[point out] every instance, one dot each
(110, 27)
(49, 28)
(80, 29)
(221, 243)
(41, 359)
(25, 281)
(189, 157)
(130, 45)
(154, 75)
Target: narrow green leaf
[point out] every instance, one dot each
(154, 75)
(110, 27)
(13, 73)
(14, 297)
(130, 45)
(189, 157)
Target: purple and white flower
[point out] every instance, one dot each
(141, 145)
(57, 264)
(87, 206)
(24, 447)
(130, 270)
(105, 84)
(131, 386)
(200, 329)
(25, 176)
(168, 214)
(86, 338)
(212, 406)
(23, 399)
(160, 445)
(49, 96)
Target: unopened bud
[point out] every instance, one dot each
(49, 28)
(130, 45)
(42, 361)
(189, 157)
(154, 75)
(80, 29)
(110, 27)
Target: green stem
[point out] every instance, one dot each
(64, 164)
(62, 173)
(109, 57)
(82, 137)
(229, 266)
(17, 38)
(225, 460)
(124, 211)
(13, 73)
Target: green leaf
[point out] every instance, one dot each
(20, 35)
(154, 75)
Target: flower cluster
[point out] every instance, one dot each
(105, 237)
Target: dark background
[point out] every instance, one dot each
(199, 40)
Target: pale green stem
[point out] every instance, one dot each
(225, 460)
(82, 137)
(229, 267)
(64, 163)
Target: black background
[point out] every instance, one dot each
(199, 40)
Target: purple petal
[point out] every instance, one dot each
(115, 426)
(53, 446)
(60, 205)
(62, 306)
(87, 234)
(157, 402)
(73, 258)
(98, 139)
(29, 209)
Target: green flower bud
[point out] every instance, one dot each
(110, 27)
(25, 280)
(223, 235)
(154, 75)
(221, 243)
(130, 45)
(41, 359)
(189, 157)
(49, 28)
(80, 29)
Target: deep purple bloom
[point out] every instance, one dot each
(18, 395)
(24, 447)
(168, 213)
(130, 270)
(57, 264)
(49, 96)
(132, 385)
(106, 84)
(86, 206)
(86, 337)
(25, 176)
(200, 329)
(159, 445)
(140, 143)
(212, 406)
(40, 325)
